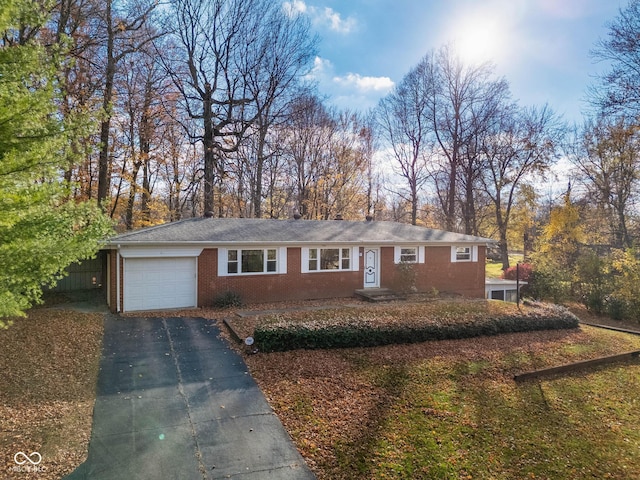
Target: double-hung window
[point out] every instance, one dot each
(464, 253)
(263, 260)
(408, 254)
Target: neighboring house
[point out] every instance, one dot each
(501, 289)
(189, 263)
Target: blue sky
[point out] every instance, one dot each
(540, 46)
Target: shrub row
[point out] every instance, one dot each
(361, 333)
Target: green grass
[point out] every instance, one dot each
(465, 419)
(494, 269)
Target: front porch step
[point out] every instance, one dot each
(378, 295)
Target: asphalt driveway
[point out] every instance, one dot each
(175, 402)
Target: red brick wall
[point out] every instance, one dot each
(463, 278)
(276, 287)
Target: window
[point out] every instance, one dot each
(497, 295)
(463, 254)
(252, 261)
(232, 261)
(511, 296)
(409, 255)
(313, 259)
(460, 253)
(272, 262)
(329, 259)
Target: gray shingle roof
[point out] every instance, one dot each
(223, 231)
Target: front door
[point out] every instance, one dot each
(371, 267)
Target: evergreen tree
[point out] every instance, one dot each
(41, 232)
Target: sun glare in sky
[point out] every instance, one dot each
(479, 39)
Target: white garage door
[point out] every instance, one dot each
(156, 283)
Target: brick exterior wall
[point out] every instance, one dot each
(463, 278)
(273, 287)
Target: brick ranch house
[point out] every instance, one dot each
(189, 263)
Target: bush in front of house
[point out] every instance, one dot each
(362, 329)
(228, 300)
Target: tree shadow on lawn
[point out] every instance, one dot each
(446, 415)
(355, 456)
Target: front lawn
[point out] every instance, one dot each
(49, 363)
(450, 409)
(494, 267)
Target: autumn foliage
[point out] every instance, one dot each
(523, 271)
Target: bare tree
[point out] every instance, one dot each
(618, 90)
(224, 64)
(273, 82)
(125, 32)
(607, 158)
(404, 125)
(140, 88)
(307, 139)
(462, 106)
(523, 144)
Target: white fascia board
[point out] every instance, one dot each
(159, 252)
(290, 244)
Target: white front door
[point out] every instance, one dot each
(371, 267)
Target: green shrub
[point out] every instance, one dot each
(616, 308)
(356, 330)
(227, 300)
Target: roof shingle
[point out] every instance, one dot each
(253, 231)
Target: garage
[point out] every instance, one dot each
(160, 283)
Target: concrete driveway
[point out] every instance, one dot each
(175, 402)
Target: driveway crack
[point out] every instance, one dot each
(174, 355)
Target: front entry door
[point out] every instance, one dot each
(371, 267)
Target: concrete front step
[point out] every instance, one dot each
(378, 295)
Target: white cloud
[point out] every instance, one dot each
(322, 69)
(350, 91)
(325, 17)
(336, 22)
(294, 8)
(376, 84)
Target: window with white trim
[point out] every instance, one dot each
(409, 254)
(463, 254)
(254, 260)
(323, 259)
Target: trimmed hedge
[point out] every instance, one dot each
(356, 330)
